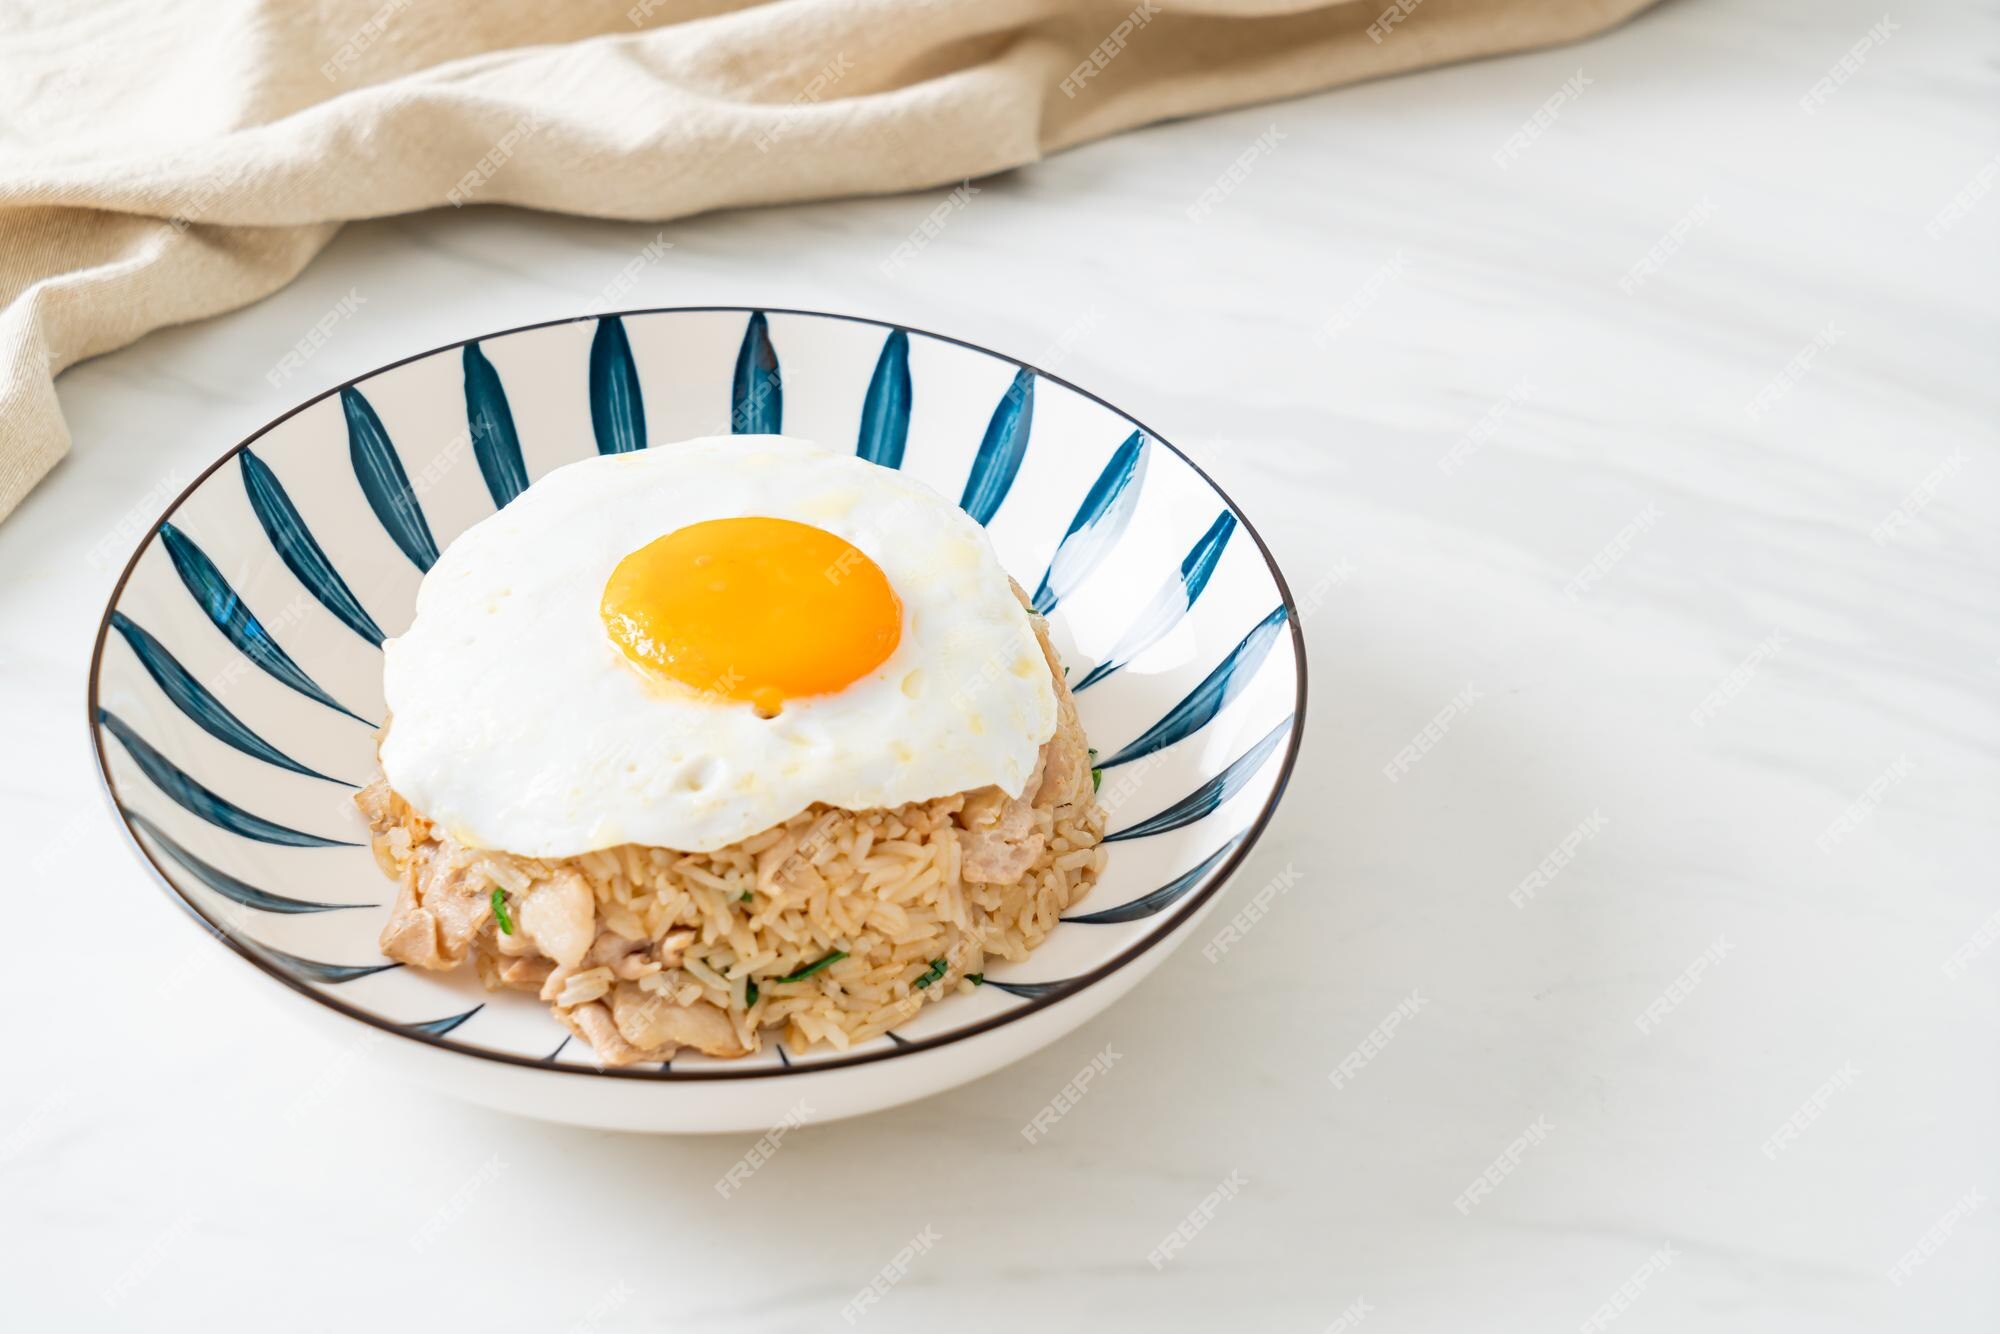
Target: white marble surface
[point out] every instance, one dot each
(176, 1153)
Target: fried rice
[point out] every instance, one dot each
(833, 927)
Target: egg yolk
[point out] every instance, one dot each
(753, 609)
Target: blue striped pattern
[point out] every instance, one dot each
(327, 974)
(1000, 452)
(380, 472)
(192, 698)
(300, 551)
(1166, 896)
(1032, 990)
(617, 411)
(227, 613)
(757, 395)
(1211, 794)
(490, 421)
(1099, 523)
(885, 412)
(1174, 600)
(1206, 700)
(437, 1028)
(198, 800)
(237, 891)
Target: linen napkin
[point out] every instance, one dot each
(166, 160)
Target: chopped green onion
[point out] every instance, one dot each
(746, 897)
(750, 993)
(977, 979)
(500, 911)
(931, 974)
(814, 967)
(1096, 780)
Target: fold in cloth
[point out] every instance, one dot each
(169, 160)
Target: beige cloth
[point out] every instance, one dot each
(166, 160)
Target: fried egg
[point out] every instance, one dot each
(689, 644)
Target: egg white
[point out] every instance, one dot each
(518, 725)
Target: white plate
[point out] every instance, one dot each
(236, 681)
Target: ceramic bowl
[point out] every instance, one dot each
(236, 685)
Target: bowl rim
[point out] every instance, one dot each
(900, 1047)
